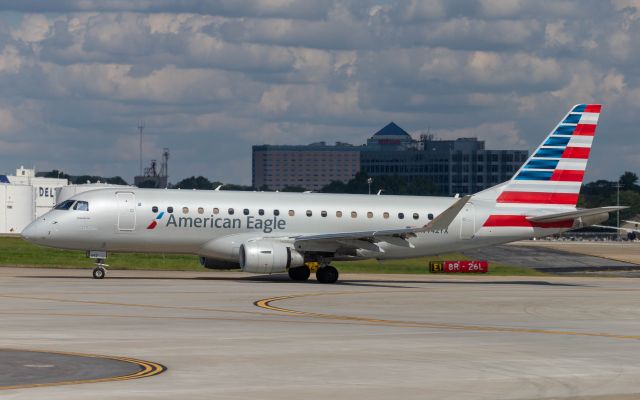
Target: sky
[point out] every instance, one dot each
(212, 78)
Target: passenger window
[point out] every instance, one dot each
(81, 206)
(185, 210)
(430, 216)
(323, 213)
(231, 211)
(245, 211)
(401, 215)
(261, 212)
(200, 210)
(369, 214)
(292, 213)
(276, 212)
(415, 216)
(170, 210)
(216, 210)
(309, 213)
(354, 214)
(154, 209)
(385, 215)
(339, 214)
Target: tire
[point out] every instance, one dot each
(299, 273)
(99, 273)
(327, 274)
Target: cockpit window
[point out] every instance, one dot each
(65, 205)
(81, 206)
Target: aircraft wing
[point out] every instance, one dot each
(570, 215)
(366, 239)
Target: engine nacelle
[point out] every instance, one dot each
(268, 257)
(213, 263)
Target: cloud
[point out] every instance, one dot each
(211, 78)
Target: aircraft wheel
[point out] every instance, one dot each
(327, 274)
(99, 273)
(299, 273)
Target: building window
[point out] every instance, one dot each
(323, 213)
(354, 214)
(385, 215)
(276, 212)
(292, 213)
(261, 212)
(401, 215)
(200, 210)
(170, 210)
(369, 214)
(216, 210)
(309, 213)
(154, 209)
(245, 211)
(339, 214)
(231, 211)
(415, 216)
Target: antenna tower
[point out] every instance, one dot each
(141, 128)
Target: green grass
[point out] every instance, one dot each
(17, 252)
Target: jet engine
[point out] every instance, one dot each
(268, 257)
(214, 263)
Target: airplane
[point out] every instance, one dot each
(271, 232)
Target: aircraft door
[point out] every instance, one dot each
(467, 222)
(126, 211)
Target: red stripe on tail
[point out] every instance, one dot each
(593, 108)
(576, 152)
(585, 130)
(538, 198)
(567, 175)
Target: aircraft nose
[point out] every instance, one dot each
(33, 232)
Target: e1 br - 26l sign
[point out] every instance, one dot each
(460, 266)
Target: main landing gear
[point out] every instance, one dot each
(327, 274)
(100, 270)
(324, 273)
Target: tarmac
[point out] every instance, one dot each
(228, 335)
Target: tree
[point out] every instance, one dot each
(628, 181)
(193, 182)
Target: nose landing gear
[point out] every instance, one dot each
(100, 270)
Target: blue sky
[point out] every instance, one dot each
(212, 78)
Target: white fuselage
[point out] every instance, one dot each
(216, 223)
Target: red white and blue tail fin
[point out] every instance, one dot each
(552, 176)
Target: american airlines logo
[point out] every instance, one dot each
(154, 223)
(266, 225)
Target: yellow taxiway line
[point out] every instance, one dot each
(148, 368)
(267, 304)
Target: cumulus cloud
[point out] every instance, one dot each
(213, 77)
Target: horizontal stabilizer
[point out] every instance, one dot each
(445, 218)
(570, 215)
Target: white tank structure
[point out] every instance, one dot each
(16, 208)
(44, 189)
(65, 192)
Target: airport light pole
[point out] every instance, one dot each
(369, 181)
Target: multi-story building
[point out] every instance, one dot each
(453, 166)
(311, 167)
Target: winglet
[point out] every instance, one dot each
(445, 218)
